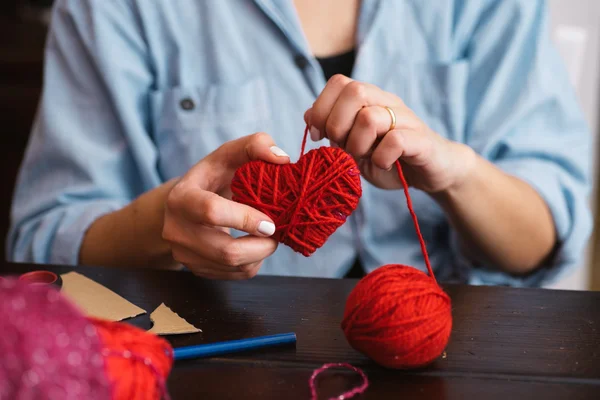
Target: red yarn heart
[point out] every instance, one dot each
(307, 200)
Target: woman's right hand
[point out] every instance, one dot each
(199, 214)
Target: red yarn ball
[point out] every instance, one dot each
(50, 350)
(137, 362)
(399, 317)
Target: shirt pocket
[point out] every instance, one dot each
(190, 122)
(437, 93)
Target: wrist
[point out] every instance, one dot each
(148, 215)
(131, 236)
(464, 173)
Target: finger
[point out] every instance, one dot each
(371, 122)
(413, 146)
(354, 97)
(207, 272)
(215, 171)
(307, 116)
(203, 207)
(235, 153)
(223, 229)
(195, 262)
(187, 257)
(320, 110)
(219, 247)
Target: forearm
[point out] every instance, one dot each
(500, 219)
(131, 236)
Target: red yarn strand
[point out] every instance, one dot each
(415, 220)
(304, 140)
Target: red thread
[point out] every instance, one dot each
(307, 200)
(414, 219)
(346, 395)
(397, 315)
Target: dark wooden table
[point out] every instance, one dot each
(506, 343)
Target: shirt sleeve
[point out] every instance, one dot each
(523, 115)
(89, 152)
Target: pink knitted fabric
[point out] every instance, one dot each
(48, 349)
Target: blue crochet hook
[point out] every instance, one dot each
(232, 346)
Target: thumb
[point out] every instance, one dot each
(216, 170)
(258, 146)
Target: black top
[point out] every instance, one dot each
(338, 64)
(342, 64)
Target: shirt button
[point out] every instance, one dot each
(187, 104)
(301, 61)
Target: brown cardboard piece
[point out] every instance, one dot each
(167, 322)
(96, 300)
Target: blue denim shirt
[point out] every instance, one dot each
(136, 92)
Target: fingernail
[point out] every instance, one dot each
(315, 135)
(266, 228)
(278, 152)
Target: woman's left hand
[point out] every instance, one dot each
(353, 116)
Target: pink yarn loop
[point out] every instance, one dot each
(346, 395)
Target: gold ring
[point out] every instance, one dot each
(393, 115)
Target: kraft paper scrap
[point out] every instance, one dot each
(96, 300)
(167, 322)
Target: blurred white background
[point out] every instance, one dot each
(575, 25)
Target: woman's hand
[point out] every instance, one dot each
(511, 226)
(352, 115)
(199, 213)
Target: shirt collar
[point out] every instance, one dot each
(285, 17)
(283, 14)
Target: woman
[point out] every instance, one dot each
(148, 109)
